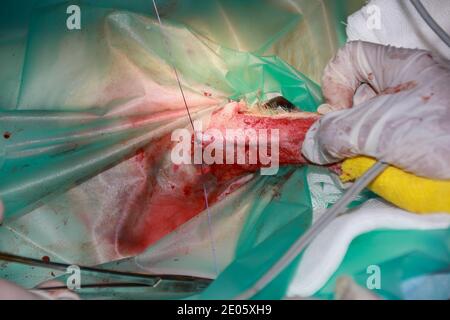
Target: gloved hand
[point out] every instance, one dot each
(400, 114)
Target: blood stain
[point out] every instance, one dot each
(401, 87)
(425, 99)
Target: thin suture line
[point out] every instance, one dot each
(205, 193)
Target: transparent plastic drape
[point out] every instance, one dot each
(86, 117)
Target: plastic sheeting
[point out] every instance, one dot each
(107, 106)
(92, 106)
(81, 109)
(112, 90)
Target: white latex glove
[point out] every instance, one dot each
(11, 291)
(401, 115)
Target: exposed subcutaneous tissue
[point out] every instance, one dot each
(175, 193)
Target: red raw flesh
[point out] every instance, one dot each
(292, 130)
(173, 194)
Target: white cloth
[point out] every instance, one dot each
(400, 25)
(326, 252)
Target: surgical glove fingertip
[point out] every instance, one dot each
(312, 149)
(325, 108)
